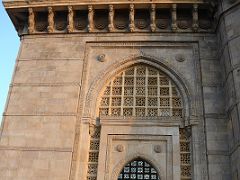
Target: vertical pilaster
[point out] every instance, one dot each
(50, 20)
(90, 18)
(195, 18)
(174, 17)
(111, 18)
(153, 17)
(70, 19)
(31, 21)
(131, 18)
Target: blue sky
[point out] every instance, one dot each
(9, 44)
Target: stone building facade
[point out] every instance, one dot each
(119, 89)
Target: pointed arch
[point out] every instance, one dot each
(96, 88)
(138, 156)
(139, 169)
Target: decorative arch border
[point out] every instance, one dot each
(96, 88)
(118, 168)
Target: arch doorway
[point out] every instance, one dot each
(138, 169)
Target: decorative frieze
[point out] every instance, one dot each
(112, 18)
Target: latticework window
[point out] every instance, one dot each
(93, 154)
(185, 154)
(138, 169)
(141, 91)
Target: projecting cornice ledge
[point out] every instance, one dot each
(36, 3)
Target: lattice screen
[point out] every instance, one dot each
(185, 153)
(141, 91)
(93, 154)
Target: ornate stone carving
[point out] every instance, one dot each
(180, 57)
(70, 19)
(101, 57)
(120, 148)
(131, 18)
(153, 17)
(90, 18)
(195, 18)
(31, 21)
(157, 149)
(50, 20)
(174, 17)
(111, 18)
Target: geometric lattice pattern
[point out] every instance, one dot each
(141, 91)
(93, 154)
(138, 169)
(185, 154)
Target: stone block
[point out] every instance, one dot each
(219, 167)
(232, 23)
(234, 48)
(37, 165)
(52, 49)
(213, 99)
(43, 100)
(41, 71)
(39, 132)
(230, 94)
(211, 73)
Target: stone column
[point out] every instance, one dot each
(50, 20)
(31, 21)
(195, 18)
(131, 18)
(153, 17)
(111, 18)
(90, 18)
(174, 17)
(70, 19)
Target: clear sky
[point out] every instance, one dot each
(9, 44)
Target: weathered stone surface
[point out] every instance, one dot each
(39, 132)
(29, 165)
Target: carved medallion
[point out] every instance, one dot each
(120, 148)
(157, 149)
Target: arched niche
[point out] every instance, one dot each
(97, 87)
(139, 168)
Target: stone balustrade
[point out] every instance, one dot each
(151, 17)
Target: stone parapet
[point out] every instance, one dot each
(105, 16)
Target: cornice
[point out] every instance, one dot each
(8, 4)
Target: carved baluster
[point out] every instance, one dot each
(153, 17)
(174, 17)
(111, 18)
(131, 18)
(195, 18)
(90, 18)
(70, 19)
(31, 21)
(50, 20)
